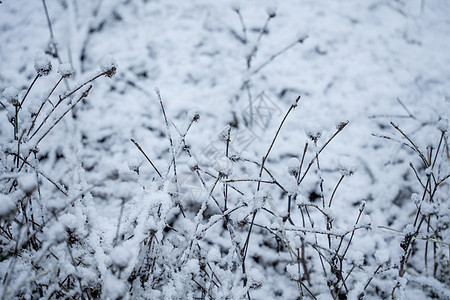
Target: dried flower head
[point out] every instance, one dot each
(108, 65)
(42, 64)
(313, 131)
(11, 95)
(65, 70)
(346, 165)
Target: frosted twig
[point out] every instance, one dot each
(145, 155)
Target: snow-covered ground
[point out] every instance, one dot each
(99, 220)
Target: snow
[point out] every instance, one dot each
(65, 70)
(347, 166)
(57, 233)
(11, 95)
(28, 183)
(108, 65)
(134, 234)
(214, 255)
(416, 198)
(292, 270)
(134, 163)
(42, 64)
(7, 205)
(223, 165)
(192, 266)
(293, 166)
(442, 125)
(120, 256)
(313, 131)
(382, 256)
(113, 288)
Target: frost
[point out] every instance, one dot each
(121, 256)
(28, 183)
(108, 65)
(42, 64)
(66, 70)
(7, 205)
(11, 95)
(346, 165)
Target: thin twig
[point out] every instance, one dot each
(145, 155)
(172, 150)
(84, 95)
(274, 56)
(28, 90)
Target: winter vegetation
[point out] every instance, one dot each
(216, 150)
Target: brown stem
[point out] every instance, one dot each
(145, 155)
